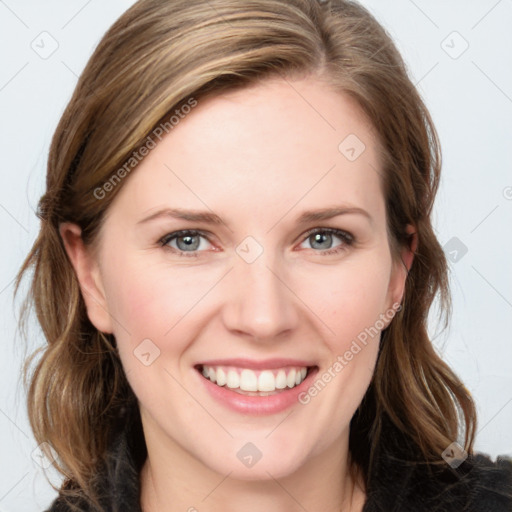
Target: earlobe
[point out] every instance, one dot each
(403, 267)
(88, 275)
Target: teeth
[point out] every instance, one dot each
(281, 379)
(290, 379)
(233, 380)
(221, 377)
(249, 380)
(266, 381)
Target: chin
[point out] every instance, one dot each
(250, 463)
(261, 471)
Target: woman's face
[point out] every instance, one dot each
(256, 292)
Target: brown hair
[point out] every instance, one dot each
(156, 57)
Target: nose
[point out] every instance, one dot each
(260, 304)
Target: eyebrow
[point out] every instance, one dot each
(212, 218)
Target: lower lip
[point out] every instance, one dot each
(257, 405)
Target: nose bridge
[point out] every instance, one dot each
(259, 303)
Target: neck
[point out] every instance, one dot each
(173, 480)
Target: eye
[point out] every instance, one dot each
(185, 241)
(189, 242)
(322, 239)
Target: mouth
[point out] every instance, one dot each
(255, 382)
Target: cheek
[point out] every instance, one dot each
(157, 301)
(150, 298)
(351, 305)
(352, 298)
(150, 304)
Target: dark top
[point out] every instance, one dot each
(395, 484)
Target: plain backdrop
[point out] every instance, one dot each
(459, 54)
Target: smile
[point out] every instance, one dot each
(256, 382)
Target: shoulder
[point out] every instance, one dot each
(490, 483)
(477, 485)
(117, 483)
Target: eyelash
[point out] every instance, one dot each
(346, 238)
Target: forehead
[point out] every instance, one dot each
(270, 145)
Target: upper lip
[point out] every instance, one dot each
(257, 365)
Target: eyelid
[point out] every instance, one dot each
(163, 241)
(347, 238)
(334, 231)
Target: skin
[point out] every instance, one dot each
(258, 158)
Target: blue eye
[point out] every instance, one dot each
(322, 239)
(189, 242)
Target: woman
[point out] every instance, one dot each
(234, 271)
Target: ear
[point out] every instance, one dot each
(87, 271)
(402, 267)
(407, 253)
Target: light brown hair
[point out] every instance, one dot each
(156, 57)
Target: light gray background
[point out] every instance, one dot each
(469, 94)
